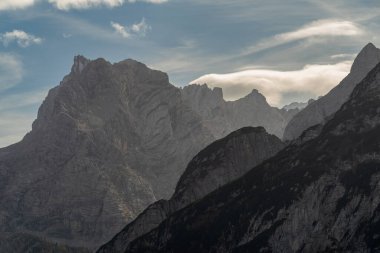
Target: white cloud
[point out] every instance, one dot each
(22, 38)
(140, 28)
(127, 31)
(11, 71)
(316, 29)
(15, 4)
(310, 81)
(84, 4)
(120, 30)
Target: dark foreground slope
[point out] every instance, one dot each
(216, 165)
(26, 243)
(319, 196)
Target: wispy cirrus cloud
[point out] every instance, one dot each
(310, 81)
(316, 29)
(22, 38)
(126, 32)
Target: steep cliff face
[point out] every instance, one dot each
(218, 164)
(320, 195)
(223, 117)
(318, 111)
(108, 141)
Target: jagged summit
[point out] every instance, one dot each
(255, 96)
(223, 117)
(80, 63)
(368, 57)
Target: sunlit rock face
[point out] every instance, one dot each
(318, 111)
(108, 141)
(320, 194)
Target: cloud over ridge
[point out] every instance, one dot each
(312, 81)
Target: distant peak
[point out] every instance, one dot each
(80, 63)
(255, 94)
(370, 46)
(368, 49)
(369, 55)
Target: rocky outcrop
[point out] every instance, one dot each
(321, 195)
(317, 112)
(215, 166)
(108, 141)
(223, 117)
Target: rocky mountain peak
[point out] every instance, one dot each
(80, 62)
(368, 57)
(319, 111)
(109, 140)
(255, 94)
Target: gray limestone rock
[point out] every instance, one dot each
(108, 141)
(223, 117)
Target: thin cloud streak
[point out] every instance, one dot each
(316, 29)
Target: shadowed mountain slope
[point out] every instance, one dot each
(218, 164)
(321, 195)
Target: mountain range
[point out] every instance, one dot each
(316, 195)
(119, 154)
(108, 141)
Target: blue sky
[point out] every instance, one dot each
(290, 50)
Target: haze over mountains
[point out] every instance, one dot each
(222, 117)
(108, 141)
(317, 195)
(112, 139)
